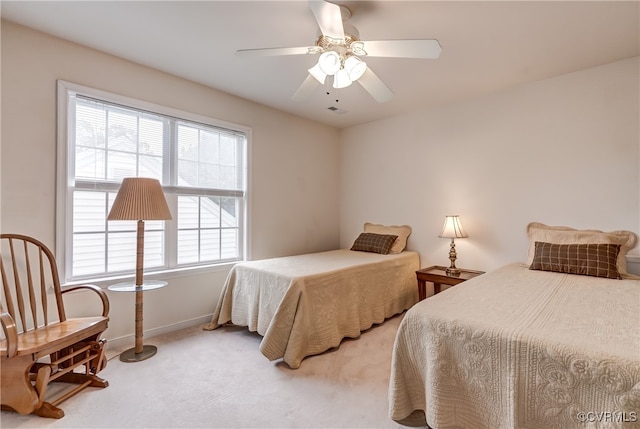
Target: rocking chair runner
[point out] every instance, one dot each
(39, 347)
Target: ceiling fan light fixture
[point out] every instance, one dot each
(329, 62)
(317, 73)
(341, 79)
(355, 67)
(340, 51)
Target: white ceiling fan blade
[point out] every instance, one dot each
(374, 86)
(306, 89)
(264, 52)
(329, 18)
(420, 48)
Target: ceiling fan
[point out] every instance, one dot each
(341, 53)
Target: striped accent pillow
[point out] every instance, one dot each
(592, 259)
(375, 243)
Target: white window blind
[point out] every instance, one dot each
(201, 165)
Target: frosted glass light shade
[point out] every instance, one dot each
(140, 198)
(329, 62)
(317, 73)
(452, 228)
(355, 67)
(341, 79)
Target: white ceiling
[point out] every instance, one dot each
(487, 45)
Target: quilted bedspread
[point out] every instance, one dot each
(517, 348)
(306, 304)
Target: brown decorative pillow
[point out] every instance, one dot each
(566, 235)
(402, 231)
(376, 243)
(589, 259)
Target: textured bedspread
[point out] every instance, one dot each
(304, 305)
(517, 348)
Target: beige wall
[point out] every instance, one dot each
(562, 151)
(293, 180)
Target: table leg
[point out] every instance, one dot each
(422, 290)
(436, 288)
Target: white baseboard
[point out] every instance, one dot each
(128, 340)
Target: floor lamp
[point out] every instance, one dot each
(139, 199)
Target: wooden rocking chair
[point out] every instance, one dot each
(41, 345)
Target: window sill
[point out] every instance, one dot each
(103, 282)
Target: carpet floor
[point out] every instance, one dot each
(219, 379)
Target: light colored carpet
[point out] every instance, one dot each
(219, 379)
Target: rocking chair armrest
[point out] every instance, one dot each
(101, 293)
(10, 333)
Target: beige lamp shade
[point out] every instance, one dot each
(452, 228)
(140, 198)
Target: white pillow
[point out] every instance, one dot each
(402, 231)
(566, 235)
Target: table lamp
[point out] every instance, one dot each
(452, 229)
(139, 199)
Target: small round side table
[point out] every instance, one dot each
(139, 352)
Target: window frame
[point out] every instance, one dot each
(65, 185)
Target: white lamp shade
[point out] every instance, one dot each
(341, 79)
(140, 198)
(318, 74)
(329, 62)
(355, 67)
(452, 228)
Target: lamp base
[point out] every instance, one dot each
(453, 272)
(131, 355)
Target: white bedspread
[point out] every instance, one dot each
(304, 305)
(517, 348)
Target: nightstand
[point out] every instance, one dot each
(438, 276)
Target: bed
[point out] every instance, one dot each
(524, 346)
(306, 304)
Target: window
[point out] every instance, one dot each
(201, 164)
